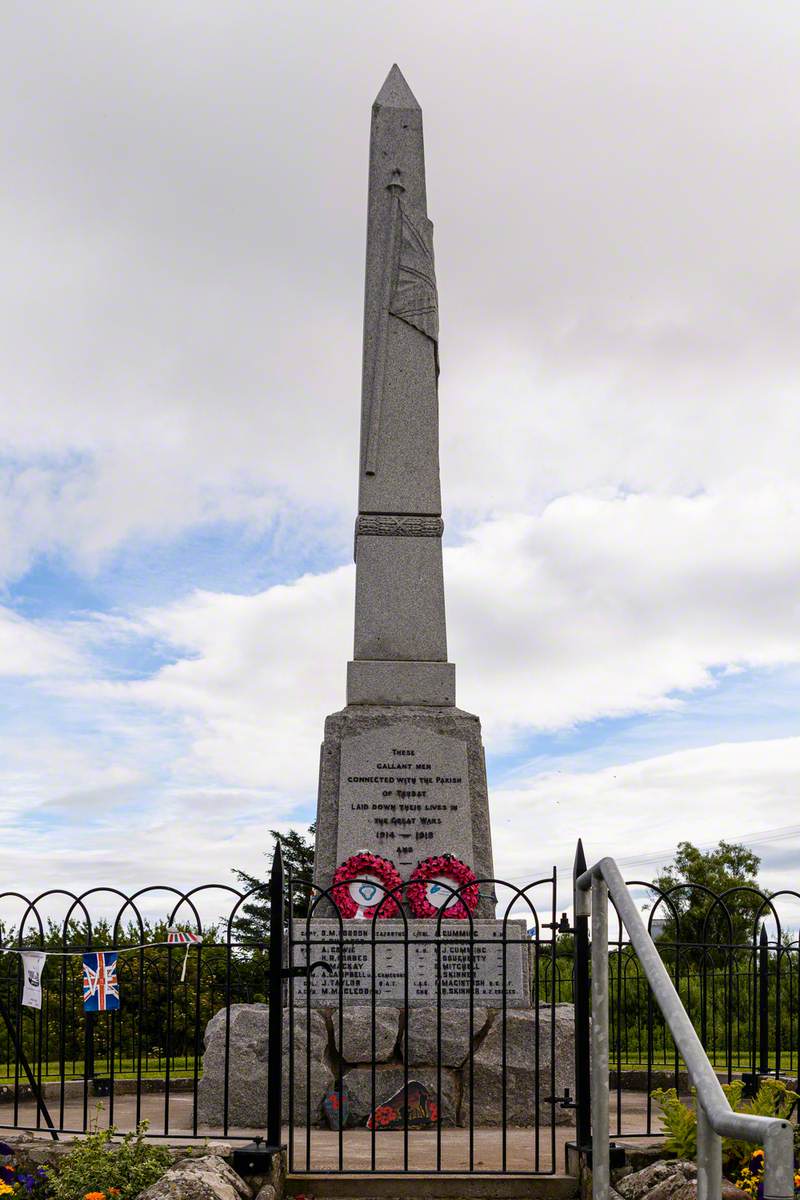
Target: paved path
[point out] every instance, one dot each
(317, 1150)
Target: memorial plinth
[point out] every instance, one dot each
(408, 784)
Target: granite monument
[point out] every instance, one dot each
(402, 769)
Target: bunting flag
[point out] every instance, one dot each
(183, 938)
(32, 967)
(100, 984)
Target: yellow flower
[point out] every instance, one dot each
(5, 1190)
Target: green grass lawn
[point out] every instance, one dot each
(740, 1062)
(181, 1068)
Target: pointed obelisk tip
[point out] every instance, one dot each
(277, 861)
(395, 92)
(579, 865)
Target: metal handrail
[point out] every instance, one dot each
(715, 1117)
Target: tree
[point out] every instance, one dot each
(689, 879)
(298, 857)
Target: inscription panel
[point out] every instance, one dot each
(356, 955)
(404, 794)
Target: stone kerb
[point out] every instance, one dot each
(438, 1059)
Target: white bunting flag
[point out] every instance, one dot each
(32, 967)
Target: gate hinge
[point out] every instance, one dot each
(562, 926)
(564, 1101)
(297, 972)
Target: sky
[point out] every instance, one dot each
(614, 188)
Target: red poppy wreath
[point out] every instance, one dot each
(360, 886)
(429, 891)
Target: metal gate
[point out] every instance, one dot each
(422, 1046)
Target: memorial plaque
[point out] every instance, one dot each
(404, 793)
(354, 948)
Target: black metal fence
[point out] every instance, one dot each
(736, 966)
(389, 1045)
(433, 1040)
(64, 1069)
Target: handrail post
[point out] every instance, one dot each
(779, 1161)
(709, 1158)
(582, 1001)
(775, 1133)
(275, 1033)
(601, 1178)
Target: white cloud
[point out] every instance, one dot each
(182, 333)
(33, 649)
(637, 812)
(606, 606)
(599, 607)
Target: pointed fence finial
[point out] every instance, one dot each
(277, 861)
(579, 865)
(764, 938)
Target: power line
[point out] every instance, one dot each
(756, 837)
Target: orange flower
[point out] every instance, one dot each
(94, 1196)
(114, 1192)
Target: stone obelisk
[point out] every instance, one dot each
(402, 770)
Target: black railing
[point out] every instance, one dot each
(65, 1069)
(469, 1011)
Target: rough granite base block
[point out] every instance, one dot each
(405, 782)
(478, 1068)
(377, 681)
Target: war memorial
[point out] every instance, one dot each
(422, 979)
(400, 1011)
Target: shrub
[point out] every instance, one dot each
(739, 1158)
(93, 1165)
(680, 1123)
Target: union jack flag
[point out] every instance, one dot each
(179, 935)
(100, 984)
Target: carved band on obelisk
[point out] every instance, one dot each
(402, 770)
